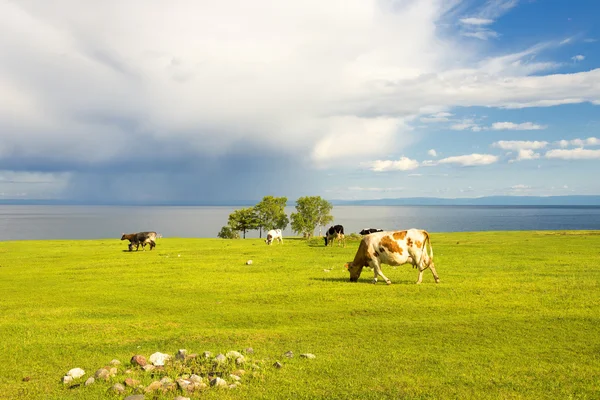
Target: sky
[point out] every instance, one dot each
(203, 101)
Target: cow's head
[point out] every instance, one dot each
(123, 237)
(269, 239)
(354, 270)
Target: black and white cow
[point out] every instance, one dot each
(368, 231)
(274, 234)
(335, 232)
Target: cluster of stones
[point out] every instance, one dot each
(184, 373)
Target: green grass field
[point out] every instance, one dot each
(516, 316)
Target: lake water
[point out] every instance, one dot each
(94, 222)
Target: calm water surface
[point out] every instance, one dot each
(93, 222)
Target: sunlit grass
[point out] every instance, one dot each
(516, 315)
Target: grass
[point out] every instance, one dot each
(516, 316)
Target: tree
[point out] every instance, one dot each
(271, 214)
(313, 211)
(228, 233)
(243, 220)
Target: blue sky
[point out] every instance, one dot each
(358, 99)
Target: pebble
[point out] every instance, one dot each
(158, 358)
(233, 354)
(308, 355)
(135, 397)
(218, 382)
(117, 388)
(277, 364)
(289, 354)
(115, 362)
(138, 360)
(220, 358)
(90, 381)
(102, 373)
(181, 354)
(76, 373)
(249, 262)
(67, 379)
(195, 378)
(249, 350)
(179, 398)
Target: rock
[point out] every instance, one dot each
(289, 354)
(233, 386)
(200, 386)
(131, 382)
(277, 364)
(181, 354)
(240, 360)
(184, 383)
(195, 378)
(117, 388)
(153, 386)
(239, 372)
(67, 379)
(233, 354)
(308, 355)
(220, 358)
(218, 382)
(138, 360)
(181, 398)
(89, 381)
(235, 377)
(102, 373)
(166, 380)
(249, 350)
(207, 354)
(113, 371)
(148, 367)
(135, 397)
(115, 362)
(76, 373)
(249, 262)
(26, 379)
(158, 358)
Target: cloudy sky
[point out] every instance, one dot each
(193, 100)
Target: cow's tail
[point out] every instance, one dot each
(428, 251)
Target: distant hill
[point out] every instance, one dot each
(480, 201)
(408, 201)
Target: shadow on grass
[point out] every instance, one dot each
(368, 281)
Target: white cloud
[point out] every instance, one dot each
(476, 21)
(309, 79)
(578, 57)
(437, 117)
(525, 126)
(518, 145)
(470, 160)
(573, 154)
(403, 164)
(432, 153)
(591, 141)
(526, 154)
(483, 34)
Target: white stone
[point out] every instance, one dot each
(233, 354)
(76, 373)
(67, 379)
(308, 355)
(158, 358)
(218, 382)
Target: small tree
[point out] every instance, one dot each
(313, 211)
(228, 233)
(243, 220)
(271, 214)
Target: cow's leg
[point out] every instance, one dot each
(434, 272)
(376, 265)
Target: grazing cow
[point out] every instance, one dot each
(335, 232)
(143, 238)
(368, 231)
(393, 248)
(272, 235)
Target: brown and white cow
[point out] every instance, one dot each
(393, 248)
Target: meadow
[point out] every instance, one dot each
(515, 316)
